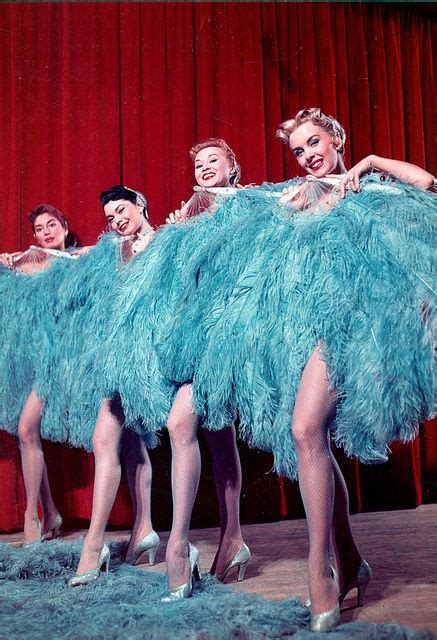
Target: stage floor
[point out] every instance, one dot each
(401, 547)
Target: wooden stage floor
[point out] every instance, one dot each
(401, 547)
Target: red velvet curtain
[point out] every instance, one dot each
(99, 93)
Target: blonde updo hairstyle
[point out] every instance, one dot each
(230, 155)
(317, 117)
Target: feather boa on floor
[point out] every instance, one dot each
(37, 604)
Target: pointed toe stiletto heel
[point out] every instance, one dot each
(53, 528)
(185, 590)
(359, 583)
(240, 560)
(150, 544)
(94, 574)
(327, 620)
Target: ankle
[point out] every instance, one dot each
(141, 530)
(30, 515)
(177, 549)
(92, 544)
(49, 513)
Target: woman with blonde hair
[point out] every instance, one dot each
(303, 286)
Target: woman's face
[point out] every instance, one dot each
(212, 168)
(315, 149)
(49, 232)
(124, 217)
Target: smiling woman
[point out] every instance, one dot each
(215, 164)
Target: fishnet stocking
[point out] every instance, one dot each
(185, 473)
(227, 476)
(320, 480)
(139, 477)
(35, 477)
(107, 446)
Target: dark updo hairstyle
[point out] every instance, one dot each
(230, 155)
(52, 211)
(119, 192)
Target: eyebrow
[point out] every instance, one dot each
(208, 156)
(307, 141)
(118, 206)
(40, 225)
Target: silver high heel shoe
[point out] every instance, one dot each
(150, 544)
(53, 528)
(90, 576)
(33, 543)
(185, 590)
(359, 583)
(327, 620)
(240, 560)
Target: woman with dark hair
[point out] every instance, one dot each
(20, 391)
(50, 229)
(126, 213)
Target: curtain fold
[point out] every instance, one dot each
(99, 93)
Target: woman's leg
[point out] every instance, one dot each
(107, 474)
(185, 474)
(32, 462)
(48, 506)
(227, 476)
(139, 477)
(313, 412)
(347, 556)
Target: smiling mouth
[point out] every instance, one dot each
(49, 239)
(123, 227)
(315, 165)
(208, 176)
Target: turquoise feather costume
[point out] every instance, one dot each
(28, 336)
(241, 298)
(53, 325)
(87, 308)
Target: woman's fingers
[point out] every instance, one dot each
(350, 181)
(174, 216)
(6, 259)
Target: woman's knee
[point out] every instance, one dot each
(103, 444)
(182, 428)
(28, 432)
(309, 432)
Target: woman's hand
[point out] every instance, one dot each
(142, 241)
(405, 171)
(351, 179)
(82, 250)
(178, 215)
(251, 185)
(8, 258)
